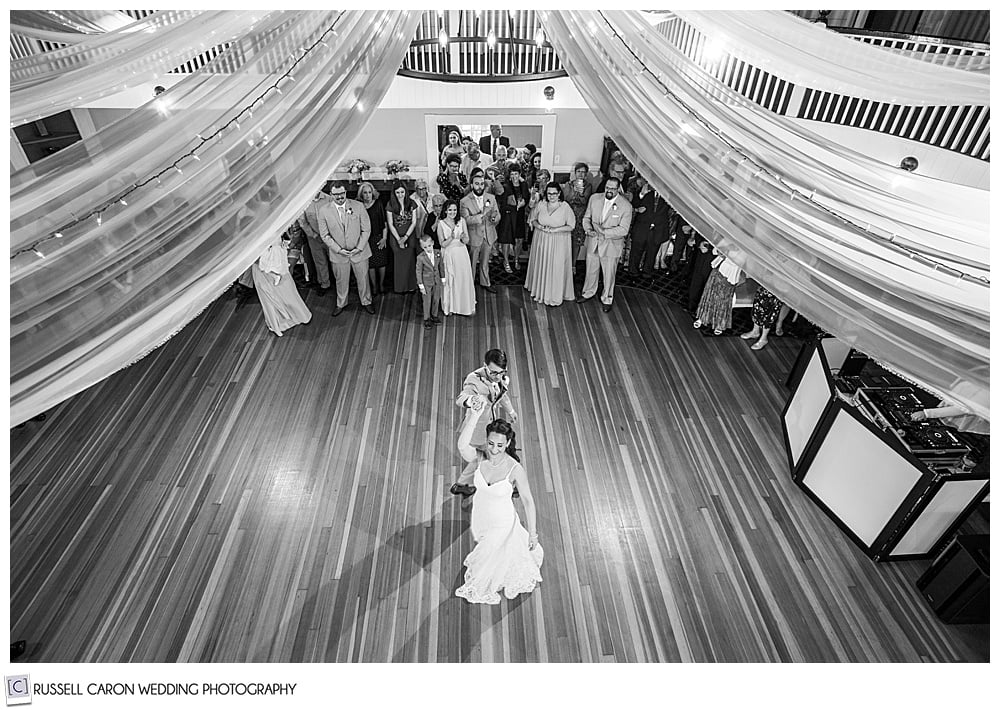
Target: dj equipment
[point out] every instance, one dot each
(890, 408)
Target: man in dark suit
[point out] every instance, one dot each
(488, 144)
(650, 220)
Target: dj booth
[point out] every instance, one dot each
(898, 488)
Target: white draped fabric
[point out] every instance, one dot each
(809, 54)
(107, 293)
(107, 63)
(870, 253)
(77, 22)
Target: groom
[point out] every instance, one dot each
(485, 386)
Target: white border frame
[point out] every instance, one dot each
(432, 120)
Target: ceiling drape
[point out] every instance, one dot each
(109, 290)
(809, 54)
(887, 260)
(107, 63)
(68, 22)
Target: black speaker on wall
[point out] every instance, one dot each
(957, 585)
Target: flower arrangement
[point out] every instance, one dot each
(394, 167)
(357, 168)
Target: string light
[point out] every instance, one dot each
(216, 134)
(591, 25)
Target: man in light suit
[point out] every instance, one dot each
(309, 223)
(606, 223)
(481, 214)
(344, 228)
(488, 144)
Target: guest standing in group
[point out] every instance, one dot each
(510, 231)
(471, 161)
(282, 305)
(344, 228)
(549, 278)
(606, 222)
(433, 216)
(701, 267)
(764, 314)
(377, 240)
(577, 193)
(309, 222)
(488, 144)
(400, 217)
(536, 195)
(650, 220)
(716, 306)
(534, 165)
(459, 289)
(454, 147)
(452, 182)
(481, 213)
(501, 164)
(507, 557)
(422, 199)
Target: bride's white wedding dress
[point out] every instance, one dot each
(501, 558)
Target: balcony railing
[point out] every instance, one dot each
(485, 45)
(971, 56)
(963, 129)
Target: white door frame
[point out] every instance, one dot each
(547, 121)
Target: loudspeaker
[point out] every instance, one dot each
(957, 584)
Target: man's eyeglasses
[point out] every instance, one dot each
(496, 373)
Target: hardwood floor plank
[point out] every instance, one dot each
(235, 497)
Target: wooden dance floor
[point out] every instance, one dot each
(241, 497)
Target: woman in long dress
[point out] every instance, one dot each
(459, 288)
(507, 557)
(549, 278)
(283, 307)
(715, 309)
(401, 220)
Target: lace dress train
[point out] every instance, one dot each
(501, 559)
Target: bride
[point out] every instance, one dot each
(506, 557)
(459, 289)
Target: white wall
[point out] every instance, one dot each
(935, 162)
(396, 130)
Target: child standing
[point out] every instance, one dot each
(430, 280)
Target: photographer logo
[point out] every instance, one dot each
(18, 690)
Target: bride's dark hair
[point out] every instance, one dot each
(502, 426)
